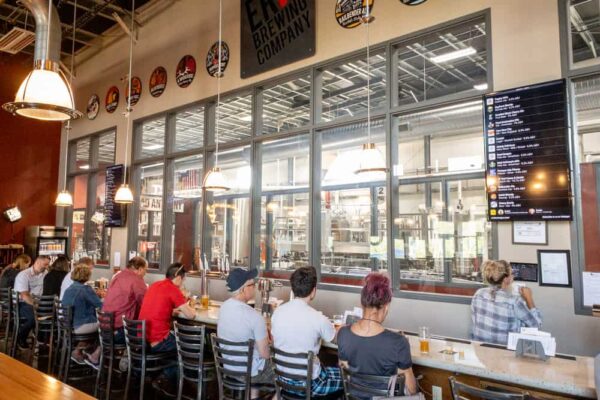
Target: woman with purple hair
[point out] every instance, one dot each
(367, 347)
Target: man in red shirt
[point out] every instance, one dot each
(162, 299)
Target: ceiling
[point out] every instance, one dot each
(585, 29)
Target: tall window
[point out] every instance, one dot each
(89, 157)
(584, 32)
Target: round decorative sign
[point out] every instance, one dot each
(212, 59)
(349, 14)
(136, 91)
(158, 81)
(186, 70)
(412, 2)
(112, 99)
(93, 106)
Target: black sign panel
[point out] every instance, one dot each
(525, 272)
(115, 214)
(275, 33)
(527, 153)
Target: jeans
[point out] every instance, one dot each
(166, 345)
(119, 337)
(27, 321)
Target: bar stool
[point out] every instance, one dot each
(45, 323)
(460, 389)
(58, 339)
(64, 320)
(110, 352)
(5, 315)
(357, 386)
(17, 320)
(190, 354)
(140, 360)
(235, 375)
(301, 365)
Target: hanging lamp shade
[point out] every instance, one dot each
(124, 195)
(64, 199)
(371, 160)
(215, 181)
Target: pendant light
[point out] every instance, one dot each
(64, 198)
(370, 160)
(124, 194)
(45, 93)
(214, 180)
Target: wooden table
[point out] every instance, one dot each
(19, 381)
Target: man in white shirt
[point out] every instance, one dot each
(238, 322)
(29, 283)
(67, 281)
(298, 328)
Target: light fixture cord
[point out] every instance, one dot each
(68, 127)
(128, 111)
(368, 75)
(218, 110)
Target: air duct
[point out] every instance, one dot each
(45, 94)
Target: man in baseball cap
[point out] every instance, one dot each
(238, 322)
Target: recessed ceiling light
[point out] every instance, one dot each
(153, 147)
(453, 55)
(246, 118)
(85, 166)
(481, 86)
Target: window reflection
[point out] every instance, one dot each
(78, 248)
(150, 213)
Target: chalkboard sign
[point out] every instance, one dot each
(527, 153)
(115, 213)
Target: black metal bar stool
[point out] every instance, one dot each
(110, 353)
(5, 316)
(460, 389)
(140, 359)
(17, 321)
(45, 324)
(358, 386)
(190, 355)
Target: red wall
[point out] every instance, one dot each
(29, 156)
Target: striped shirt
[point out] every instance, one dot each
(496, 312)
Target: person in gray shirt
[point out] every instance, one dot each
(238, 322)
(29, 283)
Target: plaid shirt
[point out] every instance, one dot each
(495, 313)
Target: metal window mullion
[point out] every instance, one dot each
(134, 209)
(255, 189)
(445, 189)
(314, 223)
(392, 199)
(167, 215)
(90, 202)
(170, 133)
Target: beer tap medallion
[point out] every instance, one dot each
(350, 13)
(93, 107)
(212, 59)
(112, 99)
(158, 81)
(136, 91)
(186, 71)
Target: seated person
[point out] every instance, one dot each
(162, 299)
(68, 281)
(496, 310)
(367, 347)
(10, 272)
(84, 301)
(238, 322)
(53, 279)
(29, 283)
(298, 328)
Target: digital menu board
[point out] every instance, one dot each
(527, 153)
(114, 213)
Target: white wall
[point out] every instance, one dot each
(525, 50)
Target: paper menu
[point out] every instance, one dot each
(591, 288)
(555, 268)
(548, 342)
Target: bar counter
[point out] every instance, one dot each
(560, 376)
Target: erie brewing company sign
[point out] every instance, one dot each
(275, 33)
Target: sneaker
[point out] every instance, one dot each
(89, 362)
(124, 363)
(164, 386)
(77, 357)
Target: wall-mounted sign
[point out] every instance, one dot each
(349, 13)
(186, 71)
(412, 2)
(212, 58)
(112, 99)
(275, 33)
(527, 153)
(150, 203)
(136, 91)
(114, 213)
(93, 107)
(158, 81)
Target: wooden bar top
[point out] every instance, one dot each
(19, 381)
(571, 375)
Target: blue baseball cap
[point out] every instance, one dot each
(238, 276)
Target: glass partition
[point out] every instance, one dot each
(189, 129)
(149, 218)
(584, 24)
(286, 105)
(151, 136)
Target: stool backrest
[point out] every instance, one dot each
(357, 386)
(64, 318)
(135, 339)
(106, 329)
(45, 313)
(14, 305)
(233, 363)
(190, 351)
(459, 389)
(297, 367)
(5, 301)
